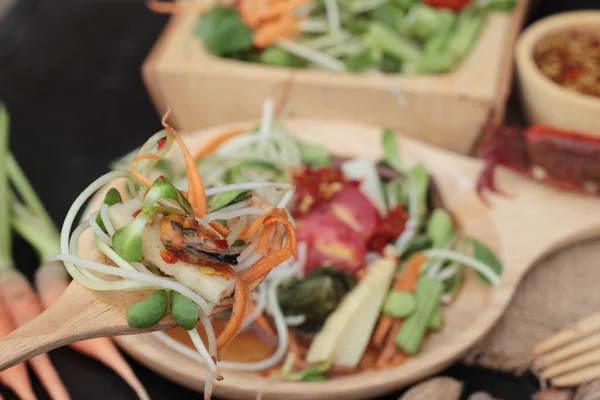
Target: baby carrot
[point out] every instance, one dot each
(51, 280)
(23, 306)
(16, 378)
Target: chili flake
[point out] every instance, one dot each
(571, 59)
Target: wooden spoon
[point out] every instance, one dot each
(536, 220)
(79, 314)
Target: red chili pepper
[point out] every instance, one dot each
(315, 185)
(220, 243)
(168, 256)
(136, 213)
(161, 143)
(565, 159)
(454, 5)
(388, 229)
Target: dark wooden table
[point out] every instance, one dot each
(69, 74)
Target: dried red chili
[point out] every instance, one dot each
(571, 59)
(315, 185)
(161, 143)
(388, 229)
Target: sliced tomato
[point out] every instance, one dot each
(353, 208)
(331, 242)
(454, 5)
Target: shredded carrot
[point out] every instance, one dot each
(163, 7)
(381, 331)
(16, 378)
(408, 277)
(268, 34)
(23, 306)
(222, 230)
(406, 280)
(254, 227)
(294, 348)
(280, 9)
(196, 194)
(144, 180)
(216, 142)
(389, 349)
(237, 313)
(264, 239)
(264, 265)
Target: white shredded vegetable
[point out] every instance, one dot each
(466, 260)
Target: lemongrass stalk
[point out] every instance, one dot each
(27, 193)
(6, 261)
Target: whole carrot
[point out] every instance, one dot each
(23, 306)
(51, 280)
(16, 377)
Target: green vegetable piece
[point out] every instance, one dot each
(360, 61)
(428, 294)
(436, 320)
(438, 43)
(314, 378)
(127, 241)
(222, 222)
(111, 198)
(163, 189)
(419, 243)
(399, 304)
(454, 283)
(405, 4)
(496, 5)
(423, 21)
(465, 35)
(238, 243)
(314, 154)
(183, 310)
(223, 31)
(311, 373)
(392, 43)
(277, 56)
(224, 199)
(487, 256)
(148, 312)
(439, 227)
(390, 64)
(391, 155)
(316, 296)
(165, 167)
(419, 177)
(389, 14)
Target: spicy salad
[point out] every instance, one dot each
(394, 36)
(324, 254)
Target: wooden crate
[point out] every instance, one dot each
(446, 110)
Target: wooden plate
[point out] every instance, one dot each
(535, 220)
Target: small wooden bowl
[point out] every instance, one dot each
(447, 110)
(545, 101)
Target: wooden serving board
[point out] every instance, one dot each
(447, 110)
(536, 220)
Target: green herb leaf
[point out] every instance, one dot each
(222, 222)
(163, 189)
(389, 14)
(313, 154)
(485, 255)
(223, 31)
(111, 198)
(312, 373)
(391, 155)
(360, 61)
(224, 199)
(277, 56)
(440, 227)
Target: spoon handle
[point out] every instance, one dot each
(79, 314)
